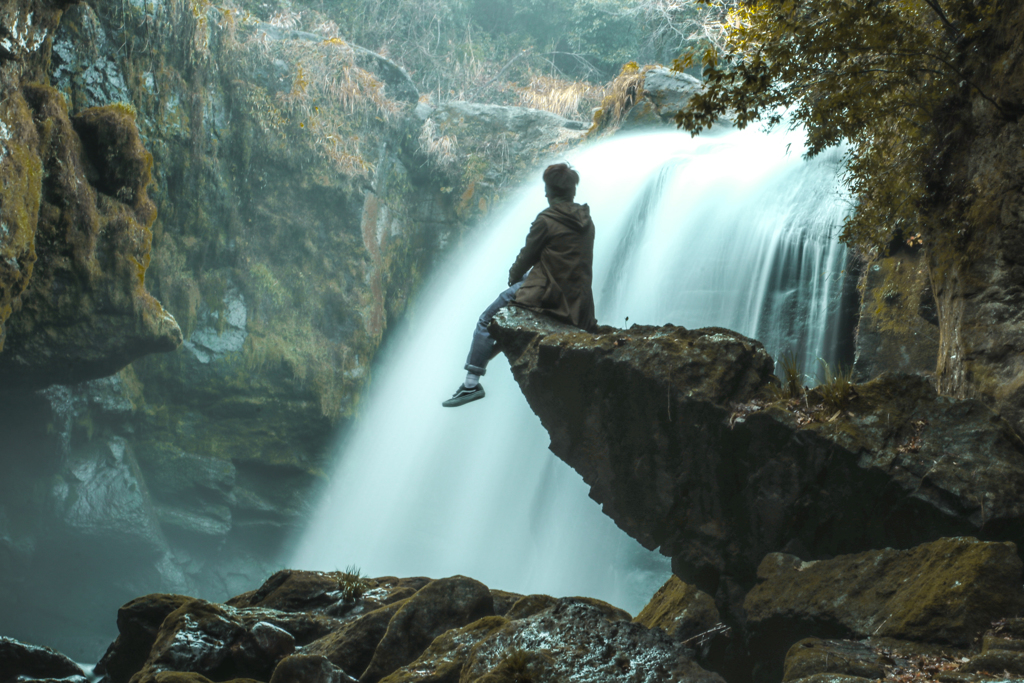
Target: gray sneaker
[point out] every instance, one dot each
(463, 395)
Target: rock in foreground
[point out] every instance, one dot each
(675, 432)
(910, 610)
(947, 592)
(313, 627)
(21, 662)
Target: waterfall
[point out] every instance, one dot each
(732, 230)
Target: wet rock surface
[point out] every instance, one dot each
(666, 426)
(22, 662)
(445, 630)
(138, 623)
(905, 615)
(681, 610)
(571, 640)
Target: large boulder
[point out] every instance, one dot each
(20, 662)
(681, 610)
(352, 647)
(309, 668)
(138, 624)
(686, 448)
(220, 642)
(437, 607)
(664, 93)
(573, 640)
(948, 592)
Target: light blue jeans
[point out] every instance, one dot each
(484, 347)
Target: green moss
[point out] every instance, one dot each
(680, 609)
(119, 165)
(895, 301)
(518, 666)
(21, 174)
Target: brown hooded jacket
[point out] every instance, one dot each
(560, 248)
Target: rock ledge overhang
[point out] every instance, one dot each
(672, 430)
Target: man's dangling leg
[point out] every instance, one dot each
(481, 350)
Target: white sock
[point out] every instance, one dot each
(471, 380)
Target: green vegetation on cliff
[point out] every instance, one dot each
(554, 55)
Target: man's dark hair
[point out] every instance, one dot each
(560, 181)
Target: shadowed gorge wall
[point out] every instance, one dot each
(278, 193)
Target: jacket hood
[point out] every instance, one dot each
(572, 215)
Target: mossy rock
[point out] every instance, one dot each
(682, 610)
(833, 678)
(529, 605)
(439, 606)
(448, 655)
(897, 329)
(185, 677)
(814, 656)
(86, 312)
(996, 662)
(946, 592)
(311, 668)
(990, 643)
(352, 647)
(21, 177)
(650, 415)
(138, 623)
(569, 641)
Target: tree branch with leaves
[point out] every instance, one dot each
(880, 77)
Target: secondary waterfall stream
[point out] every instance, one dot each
(732, 230)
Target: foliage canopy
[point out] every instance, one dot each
(886, 77)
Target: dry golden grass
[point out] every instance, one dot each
(571, 99)
(329, 94)
(441, 149)
(621, 94)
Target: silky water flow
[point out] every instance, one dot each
(734, 230)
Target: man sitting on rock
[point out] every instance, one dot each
(559, 255)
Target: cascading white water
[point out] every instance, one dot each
(728, 231)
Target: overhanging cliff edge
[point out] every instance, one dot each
(684, 446)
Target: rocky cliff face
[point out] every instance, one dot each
(283, 194)
(75, 239)
(970, 336)
(976, 276)
(898, 324)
